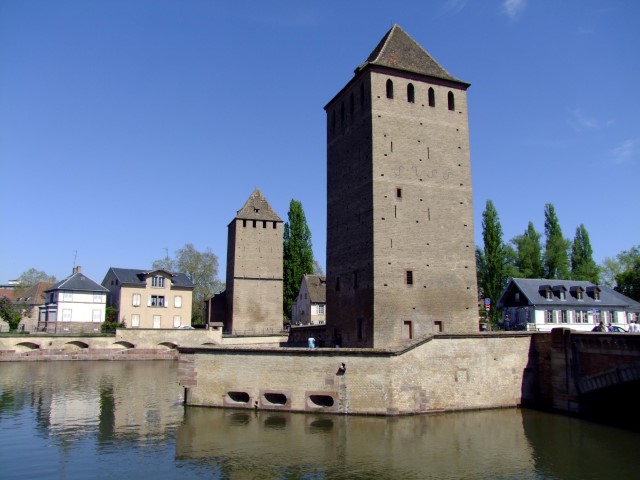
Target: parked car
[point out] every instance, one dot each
(616, 329)
(185, 327)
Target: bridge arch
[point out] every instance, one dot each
(168, 345)
(124, 344)
(26, 346)
(76, 345)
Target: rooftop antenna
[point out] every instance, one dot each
(75, 257)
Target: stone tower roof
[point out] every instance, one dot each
(257, 208)
(399, 51)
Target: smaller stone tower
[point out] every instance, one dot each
(254, 268)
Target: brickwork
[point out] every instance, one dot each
(399, 203)
(444, 373)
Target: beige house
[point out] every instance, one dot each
(31, 299)
(150, 298)
(310, 307)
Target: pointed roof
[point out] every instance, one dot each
(399, 51)
(317, 287)
(257, 208)
(77, 282)
(33, 295)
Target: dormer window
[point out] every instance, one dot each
(594, 292)
(157, 281)
(562, 294)
(548, 294)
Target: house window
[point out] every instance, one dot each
(157, 281)
(244, 223)
(135, 320)
(579, 295)
(548, 294)
(389, 89)
(548, 316)
(451, 101)
(254, 224)
(274, 225)
(97, 298)
(136, 300)
(517, 297)
(596, 295)
(66, 315)
(156, 301)
(321, 309)
(68, 296)
(398, 193)
(177, 301)
(176, 321)
(411, 93)
(157, 321)
(96, 316)
(580, 316)
(432, 98)
(409, 277)
(563, 316)
(562, 294)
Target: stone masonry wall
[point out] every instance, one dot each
(440, 373)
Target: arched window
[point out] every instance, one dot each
(389, 89)
(410, 94)
(432, 97)
(452, 103)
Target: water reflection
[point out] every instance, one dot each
(125, 419)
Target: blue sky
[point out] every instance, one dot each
(128, 127)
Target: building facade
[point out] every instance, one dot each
(310, 307)
(75, 304)
(400, 246)
(150, 298)
(543, 304)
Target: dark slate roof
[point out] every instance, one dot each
(77, 282)
(317, 288)
(399, 51)
(135, 276)
(533, 290)
(257, 208)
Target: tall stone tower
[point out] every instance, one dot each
(400, 246)
(254, 268)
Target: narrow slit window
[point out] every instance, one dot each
(432, 97)
(389, 89)
(398, 193)
(411, 93)
(451, 100)
(409, 276)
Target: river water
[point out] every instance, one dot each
(77, 420)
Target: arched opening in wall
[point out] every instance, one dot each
(451, 101)
(275, 399)
(596, 405)
(168, 345)
(432, 97)
(76, 345)
(123, 344)
(321, 401)
(411, 93)
(389, 89)
(26, 346)
(239, 397)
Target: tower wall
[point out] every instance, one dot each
(399, 200)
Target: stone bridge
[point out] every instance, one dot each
(586, 372)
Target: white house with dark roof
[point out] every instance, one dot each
(310, 307)
(543, 304)
(150, 298)
(74, 304)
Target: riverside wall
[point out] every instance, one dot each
(437, 373)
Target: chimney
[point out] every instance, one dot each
(77, 269)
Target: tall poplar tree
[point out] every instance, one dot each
(583, 267)
(297, 254)
(528, 259)
(556, 252)
(492, 271)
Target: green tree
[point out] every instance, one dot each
(528, 259)
(556, 256)
(492, 260)
(583, 267)
(33, 276)
(201, 268)
(10, 312)
(625, 270)
(629, 281)
(297, 254)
